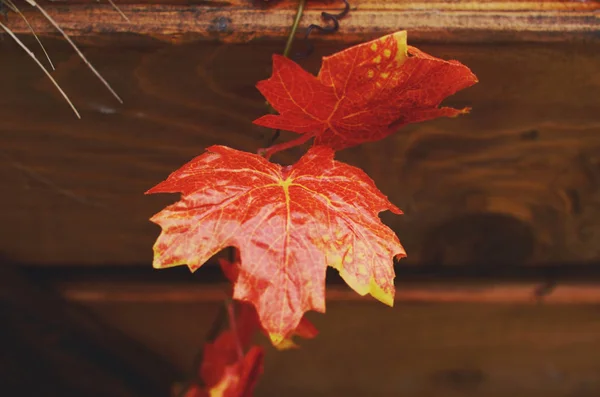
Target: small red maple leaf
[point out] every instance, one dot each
(361, 94)
(289, 224)
(226, 371)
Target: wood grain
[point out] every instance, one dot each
(245, 20)
(412, 350)
(514, 182)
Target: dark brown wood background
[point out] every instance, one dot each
(516, 181)
(510, 191)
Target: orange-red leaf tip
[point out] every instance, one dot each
(152, 190)
(286, 344)
(395, 209)
(276, 339)
(305, 329)
(401, 42)
(158, 263)
(400, 256)
(377, 292)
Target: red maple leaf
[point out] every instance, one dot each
(226, 371)
(361, 94)
(289, 224)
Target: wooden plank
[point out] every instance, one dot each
(242, 20)
(516, 181)
(412, 350)
(447, 292)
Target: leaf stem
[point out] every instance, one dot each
(286, 53)
(271, 150)
(290, 40)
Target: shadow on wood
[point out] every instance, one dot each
(54, 348)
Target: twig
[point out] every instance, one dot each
(328, 29)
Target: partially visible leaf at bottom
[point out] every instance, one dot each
(230, 366)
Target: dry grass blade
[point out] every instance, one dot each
(53, 22)
(32, 55)
(16, 10)
(116, 7)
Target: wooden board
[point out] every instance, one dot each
(54, 348)
(244, 20)
(516, 181)
(444, 339)
(412, 350)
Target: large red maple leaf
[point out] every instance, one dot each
(361, 94)
(289, 224)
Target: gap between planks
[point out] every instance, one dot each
(521, 293)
